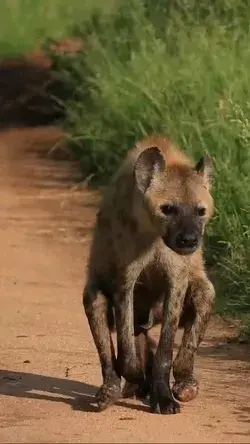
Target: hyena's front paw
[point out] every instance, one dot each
(162, 400)
(108, 393)
(186, 390)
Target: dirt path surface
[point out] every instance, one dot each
(49, 369)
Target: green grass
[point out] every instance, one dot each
(26, 23)
(185, 73)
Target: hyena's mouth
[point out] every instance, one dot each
(181, 248)
(184, 251)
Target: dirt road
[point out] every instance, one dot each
(49, 369)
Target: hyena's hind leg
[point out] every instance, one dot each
(145, 351)
(97, 309)
(131, 390)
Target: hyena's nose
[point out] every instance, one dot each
(187, 240)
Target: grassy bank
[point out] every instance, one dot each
(183, 72)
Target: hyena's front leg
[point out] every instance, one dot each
(96, 309)
(186, 386)
(161, 397)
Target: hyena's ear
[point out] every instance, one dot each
(205, 168)
(148, 164)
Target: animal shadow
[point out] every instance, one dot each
(79, 395)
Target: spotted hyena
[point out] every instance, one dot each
(146, 267)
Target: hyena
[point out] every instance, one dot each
(145, 267)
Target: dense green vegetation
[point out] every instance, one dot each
(176, 67)
(26, 23)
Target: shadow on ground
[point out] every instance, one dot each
(79, 395)
(32, 386)
(226, 351)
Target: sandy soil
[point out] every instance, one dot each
(49, 369)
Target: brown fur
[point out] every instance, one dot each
(146, 264)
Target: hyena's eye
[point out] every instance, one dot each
(201, 211)
(169, 209)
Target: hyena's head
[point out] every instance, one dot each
(175, 197)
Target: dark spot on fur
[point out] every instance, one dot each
(121, 215)
(133, 226)
(176, 304)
